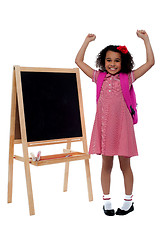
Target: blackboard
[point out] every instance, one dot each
(51, 105)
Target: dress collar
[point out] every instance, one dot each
(116, 76)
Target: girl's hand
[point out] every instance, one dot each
(90, 37)
(142, 34)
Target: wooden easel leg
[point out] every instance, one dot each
(88, 174)
(66, 173)
(10, 169)
(24, 139)
(66, 177)
(29, 188)
(12, 135)
(10, 179)
(89, 184)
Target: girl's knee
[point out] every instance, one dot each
(124, 164)
(107, 163)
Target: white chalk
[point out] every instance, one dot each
(33, 156)
(38, 155)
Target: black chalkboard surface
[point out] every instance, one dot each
(51, 105)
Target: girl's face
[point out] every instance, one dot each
(113, 62)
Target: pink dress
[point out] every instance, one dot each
(113, 131)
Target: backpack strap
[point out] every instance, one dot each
(126, 92)
(100, 79)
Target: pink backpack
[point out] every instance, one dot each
(128, 94)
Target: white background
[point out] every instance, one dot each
(49, 34)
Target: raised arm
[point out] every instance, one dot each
(80, 56)
(149, 55)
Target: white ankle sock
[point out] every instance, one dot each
(107, 202)
(127, 202)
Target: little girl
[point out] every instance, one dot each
(113, 131)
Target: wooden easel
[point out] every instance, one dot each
(18, 135)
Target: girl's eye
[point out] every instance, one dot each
(109, 60)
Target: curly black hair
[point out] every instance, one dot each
(127, 63)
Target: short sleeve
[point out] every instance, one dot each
(95, 76)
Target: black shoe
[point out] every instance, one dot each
(109, 212)
(123, 212)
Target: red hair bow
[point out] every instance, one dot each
(123, 49)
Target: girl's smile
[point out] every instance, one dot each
(113, 62)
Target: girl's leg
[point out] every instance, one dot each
(127, 174)
(128, 183)
(107, 164)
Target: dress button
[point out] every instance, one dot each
(109, 90)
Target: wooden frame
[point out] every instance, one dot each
(18, 135)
